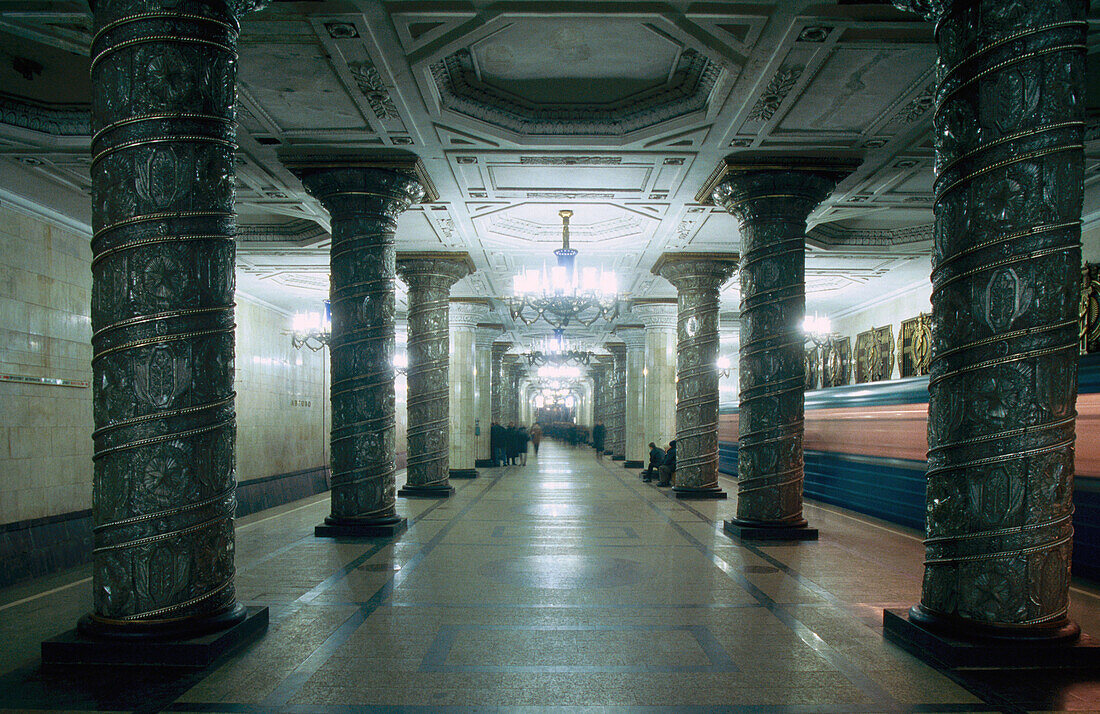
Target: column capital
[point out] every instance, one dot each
(487, 332)
(362, 182)
(431, 269)
(634, 335)
(928, 9)
(683, 269)
(656, 313)
(467, 312)
(500, 348)
(617, 349)
(746, 187)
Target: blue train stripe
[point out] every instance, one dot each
(893, 490)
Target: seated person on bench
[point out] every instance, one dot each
(668, 466)
(656, 458)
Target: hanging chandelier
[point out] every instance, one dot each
(311, 329)
(564, 294)
(556, 350)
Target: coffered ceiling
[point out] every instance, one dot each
(615, 110)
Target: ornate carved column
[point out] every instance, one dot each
(163, 80)
(509, 390)
(486, 333)
(697, 278)
(1002, 389)
(429, 277)
(659, 316)
(772, 197)
(600, 371)
(616, 402)
(364, 193)
(464, 317)
(497, 387)
(634, 416)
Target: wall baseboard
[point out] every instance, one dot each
(41, 546)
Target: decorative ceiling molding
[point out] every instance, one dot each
(461, 90)
(44, 117)
(830, 235)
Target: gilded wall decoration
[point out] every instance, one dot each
(1089, 309)
(813, 368)
(915, 346)
(874, 355)
(836, 362)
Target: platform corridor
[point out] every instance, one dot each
(567, 582)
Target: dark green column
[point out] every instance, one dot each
(1006, 268)
(364, 193)
(429, 277)
(772, 197)
(163, 81)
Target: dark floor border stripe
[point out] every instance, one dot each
(293, 683)
(839, 662)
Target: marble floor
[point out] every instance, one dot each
(567, 583)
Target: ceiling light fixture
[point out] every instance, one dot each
(564, 294)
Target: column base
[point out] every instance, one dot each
(349, 528)
(633, 464)
(82, 646)
(956, 648)
(698, 494)
(484, 463)
(753, 530)
(618, 457)
(463, 473)
(435, 490)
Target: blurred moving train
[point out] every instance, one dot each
(866, 444)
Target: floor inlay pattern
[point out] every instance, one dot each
(565, 584)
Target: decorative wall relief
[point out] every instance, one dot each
(915, 346)
(1089, 309)
(875, 354)
(813, 367)
(836, 362)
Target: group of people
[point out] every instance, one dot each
(509, 444)
(662, 464)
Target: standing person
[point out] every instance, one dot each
(536, 437)
(510, 452)
(496, 443)
(598, 434)
(668, 466)
(522, 437)
(656, 458)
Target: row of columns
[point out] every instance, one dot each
(1002, 388)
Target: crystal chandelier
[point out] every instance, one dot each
(557, 350)
(314, 330)
(564, 294)
(311, 329)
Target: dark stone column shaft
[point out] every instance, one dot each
(163, 80)
(429, 279)
(1006, 265)
(697, 278)
(364, 196)
(616, 402)
(772, 205)
(496, 381)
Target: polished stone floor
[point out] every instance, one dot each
(564, 583)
